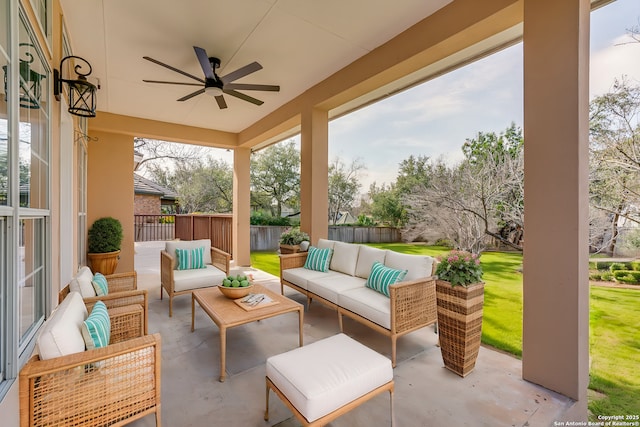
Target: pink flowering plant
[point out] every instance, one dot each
(459, 268)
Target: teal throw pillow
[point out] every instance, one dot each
(318, 259)
(96, 330)
(189, 259)
(100, 284)
(382, 277)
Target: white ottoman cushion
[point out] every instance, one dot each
(326, 375)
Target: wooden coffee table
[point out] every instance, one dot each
(226, 313)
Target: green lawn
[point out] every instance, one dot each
(614, 331)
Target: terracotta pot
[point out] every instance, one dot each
(289, 249)
(105, 263)
(460, 325)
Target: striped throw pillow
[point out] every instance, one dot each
(96, 330)
(100, 284)
(318, 259)
(382, 277)
(189, 259)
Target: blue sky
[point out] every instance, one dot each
(435, 118)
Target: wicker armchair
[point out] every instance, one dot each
(123, 290)
(211, 276)
(113, 385)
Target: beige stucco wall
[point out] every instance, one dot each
(110, 187)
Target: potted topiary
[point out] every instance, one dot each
(104, 240)
(290, 240)
(460, 296)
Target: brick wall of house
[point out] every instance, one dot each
(146, 204)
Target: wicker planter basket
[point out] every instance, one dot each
(289, 249)
(460, 325)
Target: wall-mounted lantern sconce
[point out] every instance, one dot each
(30, 87)
(82, 93)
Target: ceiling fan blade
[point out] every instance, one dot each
(221, 102)
(204, 62)
(191, 95)
(243, 86)
(162, 64)
(172, 83)
(241, 72)
(243, 97)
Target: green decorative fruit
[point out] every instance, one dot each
(235, 283)
(226, 282)
(244, 283)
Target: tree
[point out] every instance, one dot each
(615, 163)
(343, 186)
(157, 153)
(202, 185)
(275, 177)
(480, 196)
(386, 205)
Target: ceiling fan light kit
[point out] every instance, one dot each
(216, 86)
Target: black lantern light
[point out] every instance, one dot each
(30, 87)
(82, 93)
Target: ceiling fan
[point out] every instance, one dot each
(213, 84)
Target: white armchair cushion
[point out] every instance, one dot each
(417, 266)
(197, 278)
(366, 257)
(345, 258)
(82, 283)
(61, 333)
(172, 245)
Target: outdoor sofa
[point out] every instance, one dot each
(409, 306)
(179, 278)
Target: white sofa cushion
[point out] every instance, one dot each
(324, 244)
(81, 283)
(343, 370)
(172, 245)
(300, 276)
(345, 258)
(198, 278)
(61, 333)
(329, 287)
(366, 257)
(417, 266)
(367, 303)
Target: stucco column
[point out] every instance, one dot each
(110, 187)
(314, 164)
(556, 124)
(241, 206)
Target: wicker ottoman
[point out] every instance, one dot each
(321, 381)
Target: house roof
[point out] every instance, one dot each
(142, 185)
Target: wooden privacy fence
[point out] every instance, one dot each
(218, 228)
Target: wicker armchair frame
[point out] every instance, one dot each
(123, 291)
(413, 303)
(219, 259)
(113, 385)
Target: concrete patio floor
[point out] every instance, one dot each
(426, 394)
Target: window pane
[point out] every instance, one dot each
(4, 24)
(33, 145)
(31, 277)
(3, 306)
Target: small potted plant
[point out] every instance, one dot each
(104, 242)
(460, 295)
(290, 240)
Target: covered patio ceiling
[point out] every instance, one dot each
(299, 43)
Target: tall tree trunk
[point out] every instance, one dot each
(614, 230)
